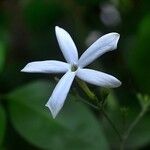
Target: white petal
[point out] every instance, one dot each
(104, 44)
(57, 99)
(47, 66)
(66, 45)
(98, 78)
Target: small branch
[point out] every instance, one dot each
(131, 127)
(91, 95)
(86, 102)
(106, 116)
(112, 124)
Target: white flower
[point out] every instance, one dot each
(75, 67)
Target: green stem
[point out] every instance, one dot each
(112, 124)
(131, 127)
(86, 102)
(91, 95)
(125, 136)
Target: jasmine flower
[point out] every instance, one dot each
(75, 66)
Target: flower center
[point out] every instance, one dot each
(74, 68)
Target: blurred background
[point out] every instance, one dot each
(27, 33)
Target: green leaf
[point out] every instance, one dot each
(2, 124)
(75, 127)
(138, 57)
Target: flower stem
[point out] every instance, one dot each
(131, 127)
(99, 107)
(112, 124)
(86, 102)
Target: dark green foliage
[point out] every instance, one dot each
(27, 33)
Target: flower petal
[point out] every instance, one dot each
(98, 78)
(47, 66)
(57, 99)
(104, 44)
(66, 45)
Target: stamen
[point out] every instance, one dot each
(74, 68)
